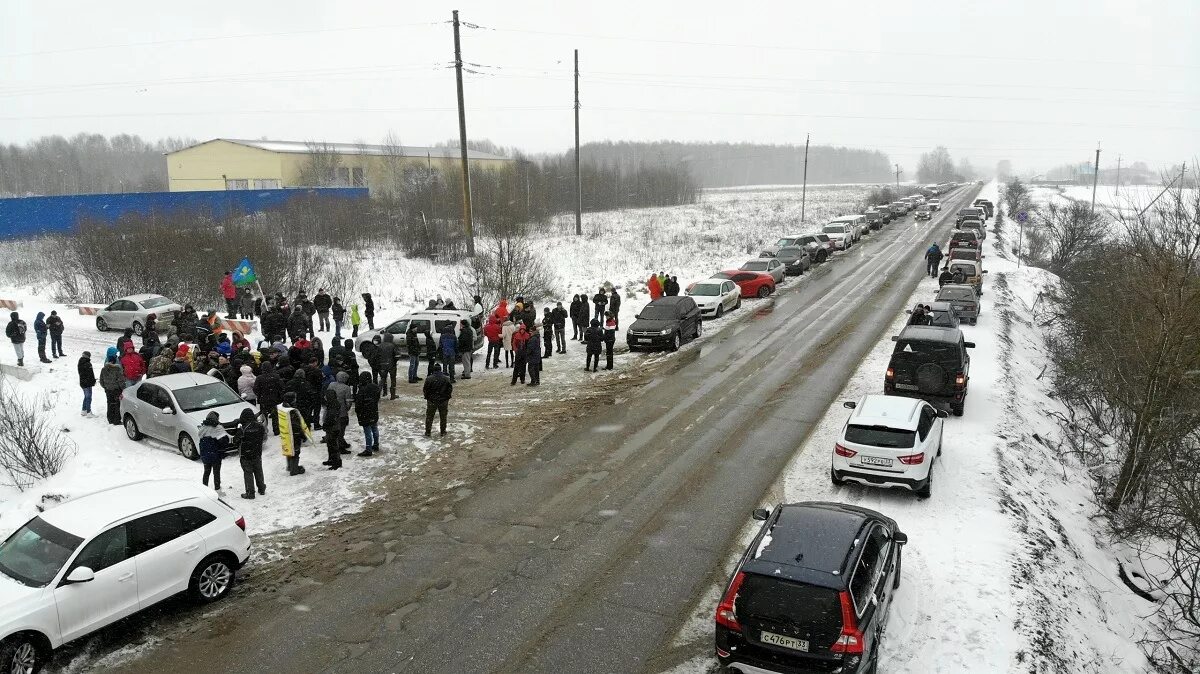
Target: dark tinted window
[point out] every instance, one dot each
(194, 518)
(35, 552)
(743, 277)
(146, 393)
(926, 421)
(662, 312)
(422, 324)
(925, 351)
(151, 531)
(399, 326)
(862, 584)
(880, 436)
(440, 325)
(110, 547)
(806, 607)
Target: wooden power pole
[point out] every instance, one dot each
(462, 143)
(578, 179)
(1095, 178)
(898, 172)
(804, 186)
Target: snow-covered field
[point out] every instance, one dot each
(1005, 569)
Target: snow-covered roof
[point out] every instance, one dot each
(890, 411)
(90, 514)
(307, 147)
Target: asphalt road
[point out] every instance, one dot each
(588, 556)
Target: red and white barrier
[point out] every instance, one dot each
(243, 327)
(89, 309)
(11, 305)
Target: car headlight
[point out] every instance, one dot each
(666, 332)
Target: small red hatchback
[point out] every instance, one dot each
(751, 283)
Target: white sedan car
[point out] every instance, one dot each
(93, 560)
(766, 265)
(132, 312)
(715, 297)
(889, 441)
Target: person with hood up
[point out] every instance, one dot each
(298, 324)
(610, 338)
(245, 384)
(132, 365)
(366, 408)
(507, 330)
(292, 432)
(412, 346)
(182, 361)
(614, 307)
(465, 346)
(334, 430)
(438, 390)
(268, 390)
(533, 358)
(160, 364)
(54, 324)
(672, 289)
(502, 309)
(448, 348)
(251, 435)
(519, 338)
(213, 443)
(385, 362)
(593, 337)
(39, 330)
(87, 379)
(344, 395)
(338, 312)
(560, 327)
(656, 289)
(322, 304)
(112, 380)
(298, 385)
(600, 300)
(548, 331)
(933, 259)
(494, 334)
(239, 342)
(369, 310)
(578, 318)
(355, 320)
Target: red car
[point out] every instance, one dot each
(751, 283)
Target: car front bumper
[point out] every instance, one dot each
(648, 341)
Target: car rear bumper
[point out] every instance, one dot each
(934, 399)
(886, 480)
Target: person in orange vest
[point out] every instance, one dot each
(656, 289)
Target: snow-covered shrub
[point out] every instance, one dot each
(32, 447)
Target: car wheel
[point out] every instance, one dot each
(674, 345)
(739, 303)
(926, 489)
(187, 447)
(699, 329)
(763, 291)
(19, 654)
(212, 578)
(720, 311)
(101, 324)
(957, 410)
(137, 328)
(131, 428)
(834, 478)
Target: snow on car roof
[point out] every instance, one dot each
(87, 515)
(174, 382)
(890, 411)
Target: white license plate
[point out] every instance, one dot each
(875, 461)
(961, 307)
(786, 642)
(907, 387)
(645, 341)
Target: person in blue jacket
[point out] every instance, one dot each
(448, 347)
(213, 443)
(40, 329)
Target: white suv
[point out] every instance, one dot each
(841, 234)
(889, 441)
(93, 560)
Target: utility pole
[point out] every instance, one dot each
(578, 179)
(1095, 178)
(462, 142)
(898, 172)
(429, 166)
(1118, 187)
(804, 187)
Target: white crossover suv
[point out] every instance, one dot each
(889, 441)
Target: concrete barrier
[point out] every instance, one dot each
(22, 373)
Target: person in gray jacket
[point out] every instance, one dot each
(385, 362)
(345, 398)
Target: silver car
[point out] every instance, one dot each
(765, 265)
(171, 408)
(131, 312)
(432, 321)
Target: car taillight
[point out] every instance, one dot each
(726, 616)
(843, 451)
(960, 379)
(891, 373)
(241, 523)
(911, 459)
(850, 641)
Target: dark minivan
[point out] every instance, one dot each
(665, 323)
(812, 592)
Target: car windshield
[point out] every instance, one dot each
(785, 242)
(955, 294)
(880, 436)
(205, 396)
(154, 302)
(35, 553)
(789, 252)
(835, 229)
(705, 289)
(755, 265)
(657, 313)
(966, 269)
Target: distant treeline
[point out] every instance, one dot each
(732, 164)
(86, 163)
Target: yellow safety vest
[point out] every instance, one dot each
(286, 440)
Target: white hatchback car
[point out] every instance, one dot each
(889, 441)
(715, 297)
(98, 558)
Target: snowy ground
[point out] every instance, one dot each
(1005, 569)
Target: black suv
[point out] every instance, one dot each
(975, 212)
(665, 323)
(989, 209)
(931, 364)
(813, 591)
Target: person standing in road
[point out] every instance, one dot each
(369, 310)
(506, 336)
(494, 334)
(579, 316)
(560, 327)
(614, 307)
(448, 347)
(548, 331)
(112, 380)
(268, 390)
(519, 338)
(251, 436)
(87, 379)
(40, 331)
(230, 293)
(133, 365)
(293, 431)
(412, 345)
(334, 429)
(366, 408)
(610, 338)
(355, 320)
(322, 303)
(54, 324)
(593, 337)
(466, 347)
(600, 300)
(533, 358)
(213, 443)
(438, 390)
(933, 259)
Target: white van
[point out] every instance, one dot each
(856, 223)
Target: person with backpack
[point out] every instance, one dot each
(213, 443)
(448, 348)
(369, 310)
(465, 346)
(87, 379)
(600, 300)
(321, 305)
(438, 390)
(39, 329)
(54, 324)
(251, 435)
(366, 408)
(133, 365)
(112, 380)
(593, 337)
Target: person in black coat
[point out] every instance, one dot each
(533, 358)
(250, 437)
(369, 310)
(548, 332)
(560, 327)
(579, 314)
(431, 350)
(268, 391)
(274, 325)
(671, 289)
(412, 344)
(54, 324)
(298, 324)
(15, 331)
(464, 346)
(322, 302)
(298, 384)
(366, 408)
(593, 337)
(600, 300)
(87, 380)
(614, 306)
(385, 357)
(438, 390)
(334, 430)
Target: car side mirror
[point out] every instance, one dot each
(168, 410)
(900, 538)
(969, 345)
(760, 514)
(908, 311)
(849, 404)
(80, 574)
(895, 338)
(984, 271)
(942, 414)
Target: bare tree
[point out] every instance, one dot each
(32, 447)
(320, 166)
(1072, 233)
(508, 267)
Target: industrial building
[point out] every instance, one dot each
(231, 164)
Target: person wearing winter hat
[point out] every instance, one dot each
(87, 379)
(112, 380)
(251, 436)
(54, 324)
(213, 443)
(15, 331)
(593, 338)
(245, 384)
(366, 408)
(40, 330)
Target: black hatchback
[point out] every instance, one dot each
(665, 323)
(813, 591)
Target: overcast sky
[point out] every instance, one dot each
(1035, 81)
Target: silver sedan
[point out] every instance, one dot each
(131, 312)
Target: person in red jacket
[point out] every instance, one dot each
(656, 289)
(493, 331)
(133, 365)
(519, 338)
(230, 293)
(502, 310)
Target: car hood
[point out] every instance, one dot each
(771, 249)
(648, 325)
(701, 300)
(366, 337)
(227, 413)
(16, 599)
